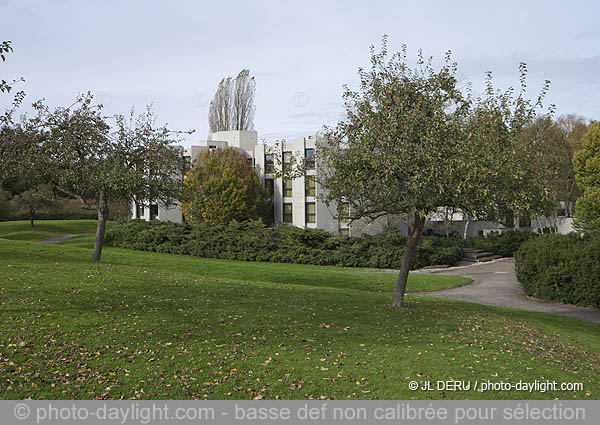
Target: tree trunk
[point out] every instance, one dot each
(31, 217)
(102, 210)
(411, 247)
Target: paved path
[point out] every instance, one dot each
(495, 283)
(57, 239)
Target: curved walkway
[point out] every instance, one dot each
(57, 239)
(495, 283)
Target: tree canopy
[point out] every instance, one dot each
(587, 173)
(221, 187)
(414, 141)
(81, 156)
(7, 86)
(555, 164)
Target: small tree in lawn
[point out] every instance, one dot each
(222, 187)
(85, 160)
(20, 167)
(35, 199)
(413, 143)
(587, 173)
(22, 171)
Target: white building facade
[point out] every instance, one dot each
(295, 201)
(298, 201)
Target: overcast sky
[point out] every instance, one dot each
(174, 53)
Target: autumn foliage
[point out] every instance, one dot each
(221, 187)
(587, 173)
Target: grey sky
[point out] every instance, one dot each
(174, 53)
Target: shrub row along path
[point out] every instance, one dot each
(495, 283)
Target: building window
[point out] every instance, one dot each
(510, 219)
(287, 213)
(311, 212)
(270, 186)
(344, 212)
(139, 211)
(345, 232)
(153, 211)
(287, 160)
(287, 188)
(524, 222)
(309, 182)
(269, 164)
(310, 158)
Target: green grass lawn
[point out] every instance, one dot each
(149, 325)
(44, 229)
(272, 272)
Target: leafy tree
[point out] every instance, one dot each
(4, 198)
(35, 199)
(587, 173)
(21, 171)
(574, 127)
(555, 162)
(7, 149)
(232, 107)
(222, 187)
(82, 158)
(6, 86)
(413, 143)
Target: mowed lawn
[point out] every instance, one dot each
(254, 271)
(43, 229)
(149, 325)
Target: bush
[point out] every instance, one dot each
(504, 244)
(563, 268)
(252, 241)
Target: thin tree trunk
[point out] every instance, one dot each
(31, 216)
(102, 210)
(411, 247)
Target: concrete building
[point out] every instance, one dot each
(296, 201)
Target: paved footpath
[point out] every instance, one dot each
(57, 239)
(495, 283)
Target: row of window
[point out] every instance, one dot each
(309, 187)
(310, 213)
(309, 154)
(153, 211)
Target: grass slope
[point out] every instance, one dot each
(148, 325)
(283, 273)
(43, 229)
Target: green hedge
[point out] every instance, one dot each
(252, 241)
(563, 268)
(504, 244)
